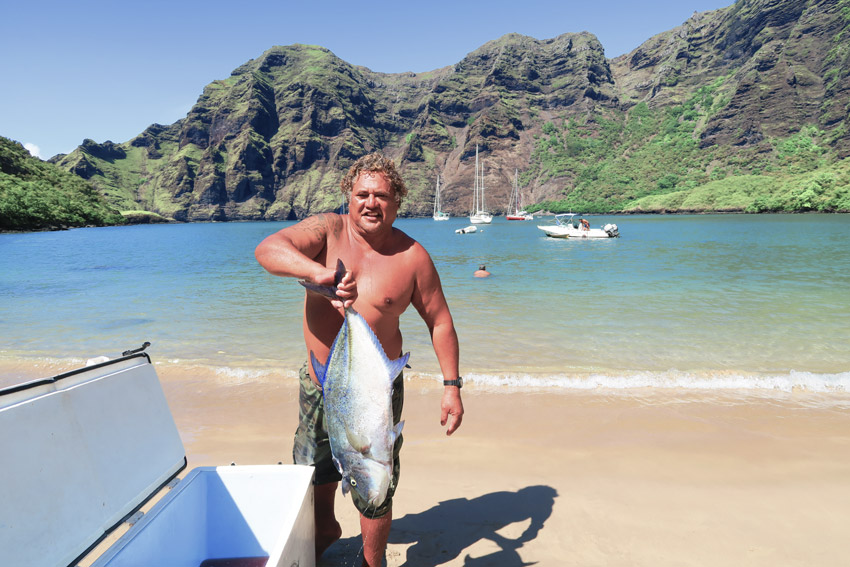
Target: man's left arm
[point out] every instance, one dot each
(430, 302)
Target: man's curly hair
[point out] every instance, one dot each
(375, 162)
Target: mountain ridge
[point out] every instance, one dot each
(726, 89)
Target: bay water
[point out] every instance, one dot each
(695, 302)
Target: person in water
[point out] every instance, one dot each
(387, 272)
(481, 272)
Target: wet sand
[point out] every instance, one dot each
(573, 478)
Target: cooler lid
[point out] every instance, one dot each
(81, 452)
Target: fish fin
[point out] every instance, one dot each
(337, 464)
(345, 482)
(361, 443)
(319, 369)
(397, 365)
(397, 430)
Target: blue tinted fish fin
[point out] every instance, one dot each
(397, 365)
(397, 430)
(319, 369)
(326, 290)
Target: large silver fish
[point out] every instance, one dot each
(357, 387)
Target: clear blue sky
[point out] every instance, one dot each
(106, 70)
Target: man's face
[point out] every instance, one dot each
(372, 206)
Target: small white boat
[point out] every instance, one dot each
(467, 229)
(439, 215)
(568, 226)
(479, 214)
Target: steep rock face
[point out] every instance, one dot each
(272, 140)
(780, 63)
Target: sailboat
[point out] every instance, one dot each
(479, 213)
(438, 213)
(514, 204)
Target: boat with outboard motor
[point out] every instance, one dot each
(574, 225)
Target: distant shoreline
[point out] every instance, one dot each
(542, 215)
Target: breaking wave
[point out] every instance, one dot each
(672, 379)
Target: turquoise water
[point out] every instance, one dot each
(708, 301)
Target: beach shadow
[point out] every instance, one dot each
(442, 533)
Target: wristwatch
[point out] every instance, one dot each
(458, 382)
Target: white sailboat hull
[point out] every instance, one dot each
(481, 218)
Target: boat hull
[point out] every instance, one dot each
(576, 233)
(578, 229)
(554, 231)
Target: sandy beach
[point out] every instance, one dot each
(573, 478)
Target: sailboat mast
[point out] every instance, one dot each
(516, 192)
(483, 207)
(437, 196)
(475, 184)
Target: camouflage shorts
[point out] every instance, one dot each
(312, 446)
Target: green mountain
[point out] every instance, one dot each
(740, 109)
(35, 195)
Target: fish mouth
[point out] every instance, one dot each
(373, 499)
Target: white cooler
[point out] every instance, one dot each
(82, 452)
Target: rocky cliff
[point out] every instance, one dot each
(272, 140)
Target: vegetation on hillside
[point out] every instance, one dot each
(35, 195)
(650, 160)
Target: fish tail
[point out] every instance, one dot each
(327, 290)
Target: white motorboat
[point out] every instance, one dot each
(479, 214)
(573, 225)
(467, 229)
(439, 215)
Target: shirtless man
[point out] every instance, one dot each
(388, 271)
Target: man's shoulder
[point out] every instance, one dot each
(331, 223)
(406, 244)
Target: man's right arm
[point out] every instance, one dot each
(292, 252)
